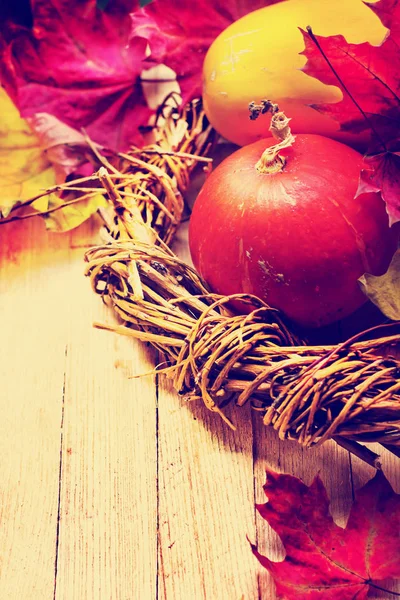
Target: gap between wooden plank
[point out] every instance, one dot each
(254, 454)
(351, 476)
(31, 266)
(60, 478)
(158, 545)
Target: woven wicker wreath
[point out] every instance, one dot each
(349, 392)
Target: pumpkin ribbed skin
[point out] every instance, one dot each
(298, 239)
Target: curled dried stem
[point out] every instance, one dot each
(271, 161)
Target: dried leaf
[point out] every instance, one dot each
(180, 32)
(384, 290)
(370, 73)
(24, 168)
(324, 561)
(381, 172)
(370, 83)
(81, 65)
(66, 148)
(71, 215)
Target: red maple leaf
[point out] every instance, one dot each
(180, 32)
(79, 64)
(369, 77)
(324, 561)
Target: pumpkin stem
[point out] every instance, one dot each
(271, 161)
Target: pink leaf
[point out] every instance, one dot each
(180, 32)
(81, 65)
(324, 561)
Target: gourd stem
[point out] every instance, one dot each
(271, 161)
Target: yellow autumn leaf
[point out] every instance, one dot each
(25, 172)
(24, 168)
(72, 215)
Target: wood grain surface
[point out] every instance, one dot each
(113, 488)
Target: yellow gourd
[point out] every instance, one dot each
(257, 57)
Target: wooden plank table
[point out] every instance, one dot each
(113, 488)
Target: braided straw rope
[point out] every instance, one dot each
(307, 393)
(349, 392)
